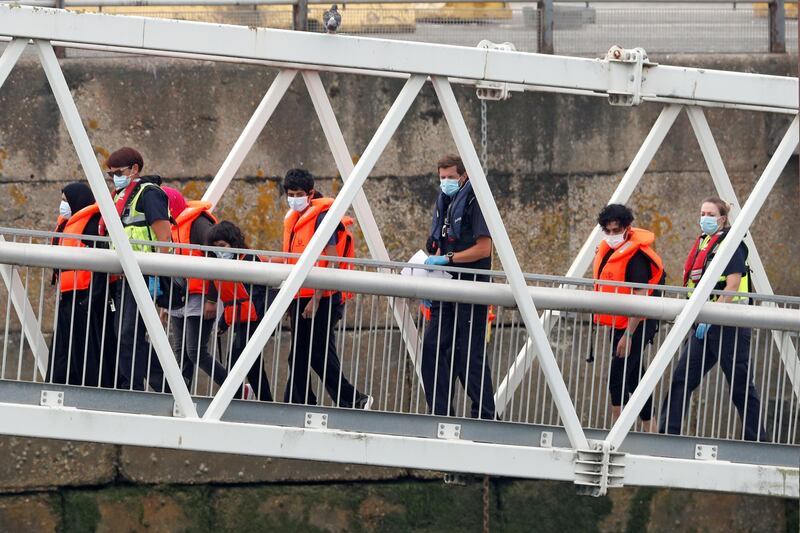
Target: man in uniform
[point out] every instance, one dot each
(459, 237)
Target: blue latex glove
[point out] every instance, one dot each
(153, 286)
(439, 260)
(701, 331)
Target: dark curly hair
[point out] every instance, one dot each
(298, 178)
(227, 232)
(615, 212)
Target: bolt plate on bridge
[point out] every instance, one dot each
(176, 411)
(317, 420)
(705, 452)
(51, 398)
(546, 440)
(449, 431)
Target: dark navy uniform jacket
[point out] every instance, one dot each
(457, 223)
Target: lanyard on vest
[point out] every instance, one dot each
(698, 258)
(120, 205)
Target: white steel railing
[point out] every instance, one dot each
(590, 456)
(371, 348)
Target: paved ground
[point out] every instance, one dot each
(668, 28)
(592, 31)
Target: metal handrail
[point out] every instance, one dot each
(381, 284)
(399, 265)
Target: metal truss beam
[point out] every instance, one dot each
(724, 187)
(321, 51)
(344, 163)
(622, 194)
(315, 246)
(133, 274)
(18, 293)
(524, 360)
(396, 286)
(249, 136)
(366, 220)
(384, 450)
(16, 289)
(686, 318)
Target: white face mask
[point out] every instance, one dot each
(614, 241)
(299, 203)
(64, 209)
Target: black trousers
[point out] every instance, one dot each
(138, 364)
(625, 372)
(442, 365)
(256, 375)
(189, 336)
(697, 359)
(316, 345)
(85, 343)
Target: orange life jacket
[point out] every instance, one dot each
(614, 269)
(298, 228)
(181, 233)
(76, 280)
(238, 307)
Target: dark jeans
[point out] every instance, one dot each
(137, 363)
(697, 359)
(625, 372)
(317, 345)
(256, 375)
(441, 365)
(189, 337)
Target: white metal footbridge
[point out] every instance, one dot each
(555, 421)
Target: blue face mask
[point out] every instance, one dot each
(225, 255)
(121, 181)
(449, 186)
(64, 209)
(709, 225)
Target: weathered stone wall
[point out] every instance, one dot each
(554, 160)
(113, 488)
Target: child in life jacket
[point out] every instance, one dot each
(244, 305)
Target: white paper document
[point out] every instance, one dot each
(419, 259)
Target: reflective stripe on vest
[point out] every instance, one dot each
(298, 229)
(135, 223)
(722, 282)
(181, 233)
(615, 267)
(77, 280)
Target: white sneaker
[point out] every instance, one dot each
(365, 403)
(249, 393)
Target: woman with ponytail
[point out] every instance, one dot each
(709, 343)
